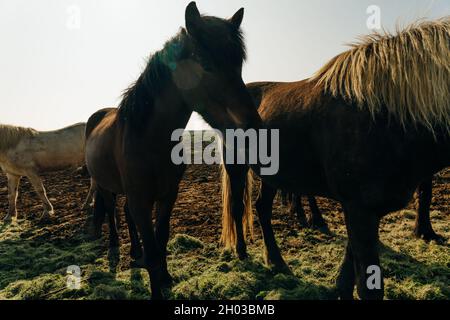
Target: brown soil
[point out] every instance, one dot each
(196, 213)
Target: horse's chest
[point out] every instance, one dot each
(168, 179)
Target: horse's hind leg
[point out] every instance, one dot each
(284, 198)
(316, 220)
(99, 215)
(162, 231)
(88, 203)
(108, 206)
(362, 229)
(141, 211)
(423, 228)
(38, 186)
(135, 242)
(13, 188)
(296, 208)
(113, 219)
(264, 204)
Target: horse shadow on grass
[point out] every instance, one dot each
(29, 257)
(400, 266)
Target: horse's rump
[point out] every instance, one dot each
(95, 119)
(101, 143)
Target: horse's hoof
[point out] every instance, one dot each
(46, 218)
(303, 223)
(7, 219)
(114, 244)
(138, 263)
(322, 228)
(166, 280)
(282, 268)
(136, 254)
(346, 297)
(157, 296)
(242, 255)
(279, 267)
(430, 236)
(93, 237)
(115, 251)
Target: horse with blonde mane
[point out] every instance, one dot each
(28, 152)
(366, 130)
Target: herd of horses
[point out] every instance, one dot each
(369, 128)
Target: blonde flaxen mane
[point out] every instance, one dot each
(407, 73)
(10, 136)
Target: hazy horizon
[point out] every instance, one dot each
(62, 60)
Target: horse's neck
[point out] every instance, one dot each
(170, 113)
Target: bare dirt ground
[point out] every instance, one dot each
(197, 214)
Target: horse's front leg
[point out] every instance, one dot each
(135, 242)
(13, 188)
(423, 228)
(362, 229)
(162, 230)
(38, 186)
(140, 206)
(345, 282)
(272, 254)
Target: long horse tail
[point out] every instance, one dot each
(228, 238)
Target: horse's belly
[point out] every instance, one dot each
(49, 152)
(49, 160)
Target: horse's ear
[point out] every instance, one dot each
(236, 20)
(193, 19)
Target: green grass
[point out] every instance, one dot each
(34, 268)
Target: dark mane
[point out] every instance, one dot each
(220, 42)
(138, 99)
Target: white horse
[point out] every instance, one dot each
(27, 152)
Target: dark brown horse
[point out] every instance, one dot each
(128, 150)
(423, 228)
(366, 131)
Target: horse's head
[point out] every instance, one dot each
(210, 77)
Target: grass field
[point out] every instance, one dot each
(34, 258)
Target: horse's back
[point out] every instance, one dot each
(48, 151)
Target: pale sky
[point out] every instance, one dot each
(56, 70)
